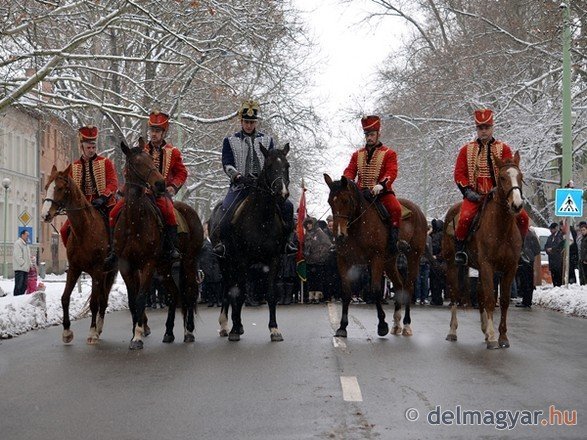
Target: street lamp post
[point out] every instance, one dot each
(6, 184)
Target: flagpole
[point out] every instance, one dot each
(301, 279)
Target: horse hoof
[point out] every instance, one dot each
(340, 333)
(234, 337)
(407, 331)
(504, 343)
(136, 345)
(240, 330)
(168, 339)
(92, 340)
(492, 345)
(67, 336)
(396, 330)
(451, 337)
(382, 330)
(223, 333)
(189, 338)
(276, 337)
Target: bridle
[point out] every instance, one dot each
(144, 180)
(354, 208)
(61, 209)
(512, 165)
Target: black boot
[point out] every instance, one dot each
(392, 240)
(170, 252)
(460, 253)
(111, 258)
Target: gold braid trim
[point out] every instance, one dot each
(166, 160)
(369, 171)
(76, 172)
(477, 165)
(100, 175)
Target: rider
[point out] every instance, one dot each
(242, 161)
(376, 167)
(95, 175)
(475, 176)
(168, 161)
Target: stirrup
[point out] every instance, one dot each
(461, 258)
(219, 250)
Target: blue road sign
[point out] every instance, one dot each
(569, 202)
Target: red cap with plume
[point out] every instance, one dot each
(158, 119)
(371, 123)
(88, 133)
(484, 117)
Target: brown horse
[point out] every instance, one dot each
(86, 248)
(494, 247)
(361, 238)
(137, 243)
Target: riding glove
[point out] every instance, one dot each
(377, 189)
(472, 196)
(99, 202)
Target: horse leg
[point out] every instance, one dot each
(189, 294)
(237, 299)
(400, 296)
(504, 303)
(107, 282)
(377, 295)
(274, 332)
(171, 290)
(453, 289)
(94, 304)
(72, 276)
(223, 317)
(344, 270)
(145, 278)
(486, 291)
(413, 273)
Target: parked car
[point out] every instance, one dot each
(543, 234)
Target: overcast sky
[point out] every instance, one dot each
(349, 50)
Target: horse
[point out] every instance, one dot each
(137, 243)
(361, 238)
(494, 247)
(258, 235)
(86, 248)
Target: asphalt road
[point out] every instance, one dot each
(309, 386)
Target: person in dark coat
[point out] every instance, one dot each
(525, 273)
(583, 251)
(316, 250)
(554, 249)
(332, 282)
(438, 266)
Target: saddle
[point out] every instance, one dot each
(452, 225)
(381, 210)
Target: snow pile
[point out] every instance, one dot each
(42, 309)
(571, 301)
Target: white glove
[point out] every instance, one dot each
(377, 189)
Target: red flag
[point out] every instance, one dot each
(300, 261)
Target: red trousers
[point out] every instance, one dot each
(165, 205)
(393, 207)
(468, 211)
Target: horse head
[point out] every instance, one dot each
(509, 182)
(140, 170)
(57, 193)
(344, 200)
(275, 173)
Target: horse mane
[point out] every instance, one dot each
(339, 185)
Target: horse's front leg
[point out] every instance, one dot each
(72, 276)
(452, 287)
(399, 294)
(377, 295)
(172, 293)
(237, 299)
(275, 334)
(94, 335)
(486, 292)
(504, 303)
(145, 279)
(413, 273)
(223, 317)
(188, 290)
(344, 270)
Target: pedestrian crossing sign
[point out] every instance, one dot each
(569, 202)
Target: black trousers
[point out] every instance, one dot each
(20, 279)
(525, 277)
(556, 271)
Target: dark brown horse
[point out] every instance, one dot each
(361, 238)
(137, 243)
(494, 247)
(86, 248)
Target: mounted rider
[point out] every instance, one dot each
(475, 177)
(376, 167)
(95, 175)
(242, 161)
(168, 161)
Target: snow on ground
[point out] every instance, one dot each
(42, 309)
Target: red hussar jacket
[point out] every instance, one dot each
(96, 177)
(169, 162)
(382, 166)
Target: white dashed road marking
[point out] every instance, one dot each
(351, 392)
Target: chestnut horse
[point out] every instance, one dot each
(137, 243)
(86, 248)
(494, 247)
(361, 238)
